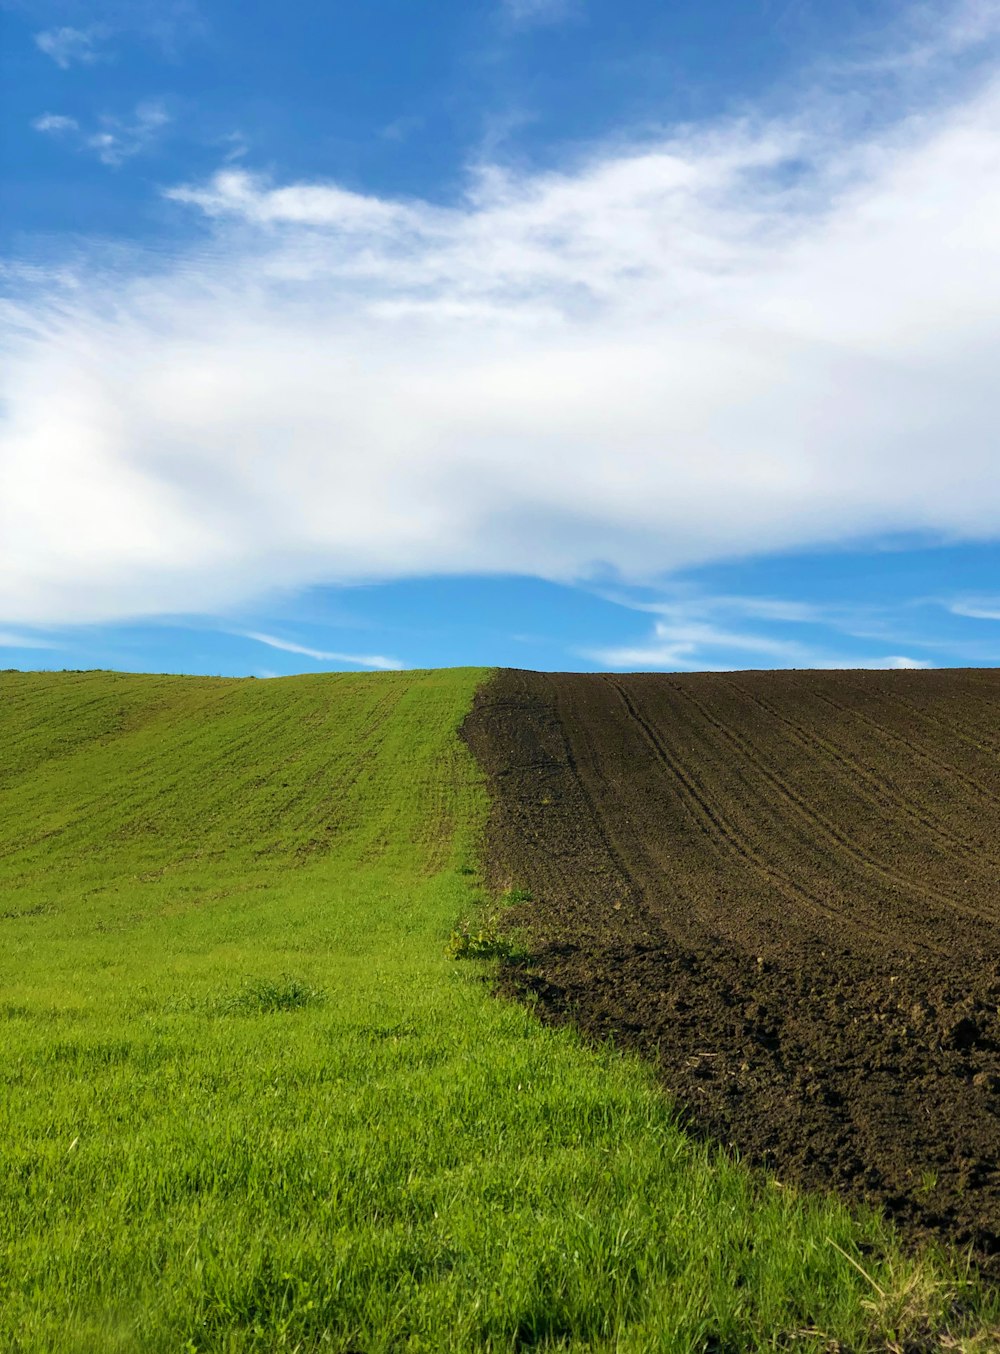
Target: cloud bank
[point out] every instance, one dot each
(767, 333)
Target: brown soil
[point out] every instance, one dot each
(783, 887)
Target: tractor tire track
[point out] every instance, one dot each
(817, 825)
(713, 823)
(856, 771)
(909, 748)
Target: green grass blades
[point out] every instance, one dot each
(248, 1102)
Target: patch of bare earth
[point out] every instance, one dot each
(783, 888)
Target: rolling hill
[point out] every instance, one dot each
(250, 1102)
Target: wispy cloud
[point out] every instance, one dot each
(55, 124)
(929, 36)
(377, 661)
(402, 128)
(685, 602)
(897, 662)
(235, 146)
(168, 24)
(71, 46)
(10, 640)
(766, 333)
(118, 139)
(114, 139)
(694, 647)
(531, 13)
(982, 609)
(699, 630)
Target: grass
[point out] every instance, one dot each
(249, 1103)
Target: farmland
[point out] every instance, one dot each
(250, 1103)
(785, 889)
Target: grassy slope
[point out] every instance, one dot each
(199, 1153)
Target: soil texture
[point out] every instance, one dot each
(783, 888)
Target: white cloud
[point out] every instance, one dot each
(686, 603)
(979, 611)
(69, 45)
(234, 193)
(9, 640)
(901, 661)
(235, 146)
(764, 334)
(55, 124)
(693, 646)
(120, 138)
(931, 34)
(525, 13)
(402, 128)
(377, 661)
(169, 24)
(701, 631)
(116, 139)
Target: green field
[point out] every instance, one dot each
(250, 1104)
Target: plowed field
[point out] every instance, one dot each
(785, 888)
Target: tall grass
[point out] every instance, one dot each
(248, 1103)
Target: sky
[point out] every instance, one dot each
(568, 334)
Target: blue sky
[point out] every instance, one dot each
(554, 333)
